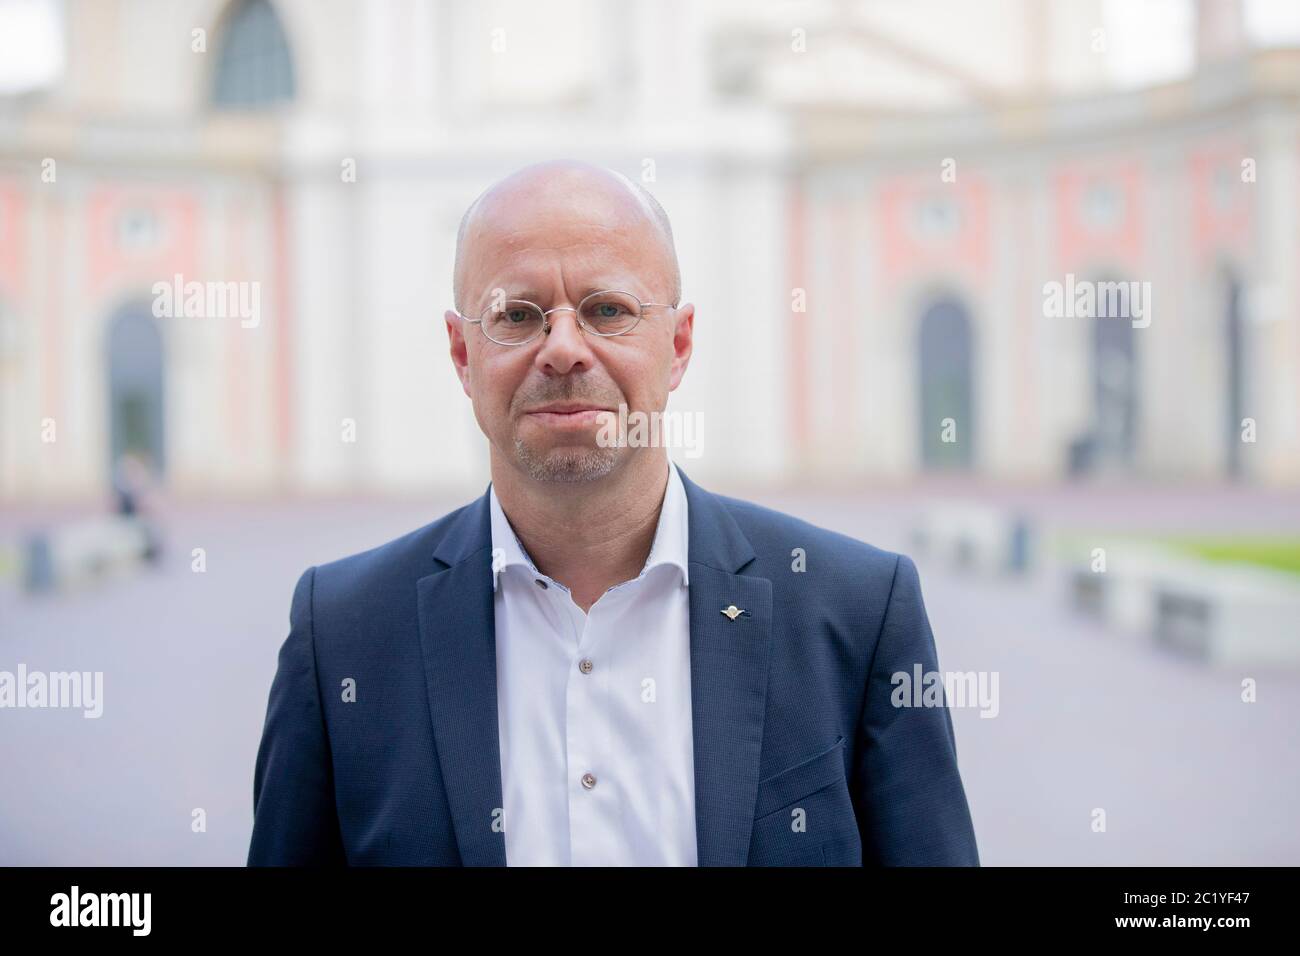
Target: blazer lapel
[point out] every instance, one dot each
(458, 642)
(729, 664)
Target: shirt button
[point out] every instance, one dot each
(588, 780)
(541, 584)
(585, 665)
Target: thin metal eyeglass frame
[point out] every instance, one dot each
(546, 324)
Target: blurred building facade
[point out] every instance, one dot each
(866, 220)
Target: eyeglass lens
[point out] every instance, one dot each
(605, 313)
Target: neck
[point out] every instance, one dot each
(588, 535)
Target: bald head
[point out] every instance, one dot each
(555, 188)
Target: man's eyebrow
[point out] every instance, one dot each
(532, 294)
(511, 292)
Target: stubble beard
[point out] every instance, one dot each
(566, 464)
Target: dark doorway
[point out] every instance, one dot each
(946, 370)
(136, 388)
(1115, 389)
(1234, 378)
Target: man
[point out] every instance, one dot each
(598, 662)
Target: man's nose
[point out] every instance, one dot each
(565, 345)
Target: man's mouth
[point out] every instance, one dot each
(568, 414)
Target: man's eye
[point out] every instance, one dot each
(608, 310)
(517, 315)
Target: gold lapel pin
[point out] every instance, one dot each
(732, 612)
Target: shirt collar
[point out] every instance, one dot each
(670, 545)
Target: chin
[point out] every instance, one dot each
(566, 463)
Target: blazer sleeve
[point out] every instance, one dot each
(912, 808)
(295, 822)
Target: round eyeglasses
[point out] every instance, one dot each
(518, 321)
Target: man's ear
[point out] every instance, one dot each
(459, 351)
(683, 338)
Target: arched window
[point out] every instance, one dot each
(254, 67)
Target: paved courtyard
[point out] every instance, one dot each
(1186, 772)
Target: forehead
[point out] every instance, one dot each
(543, 257)
(540, 237)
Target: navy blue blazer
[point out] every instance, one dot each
(790, 704)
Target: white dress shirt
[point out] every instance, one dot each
(594, 709)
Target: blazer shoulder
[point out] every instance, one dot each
(380, 572)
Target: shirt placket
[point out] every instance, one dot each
(593, 812)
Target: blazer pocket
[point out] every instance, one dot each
(793, 784)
